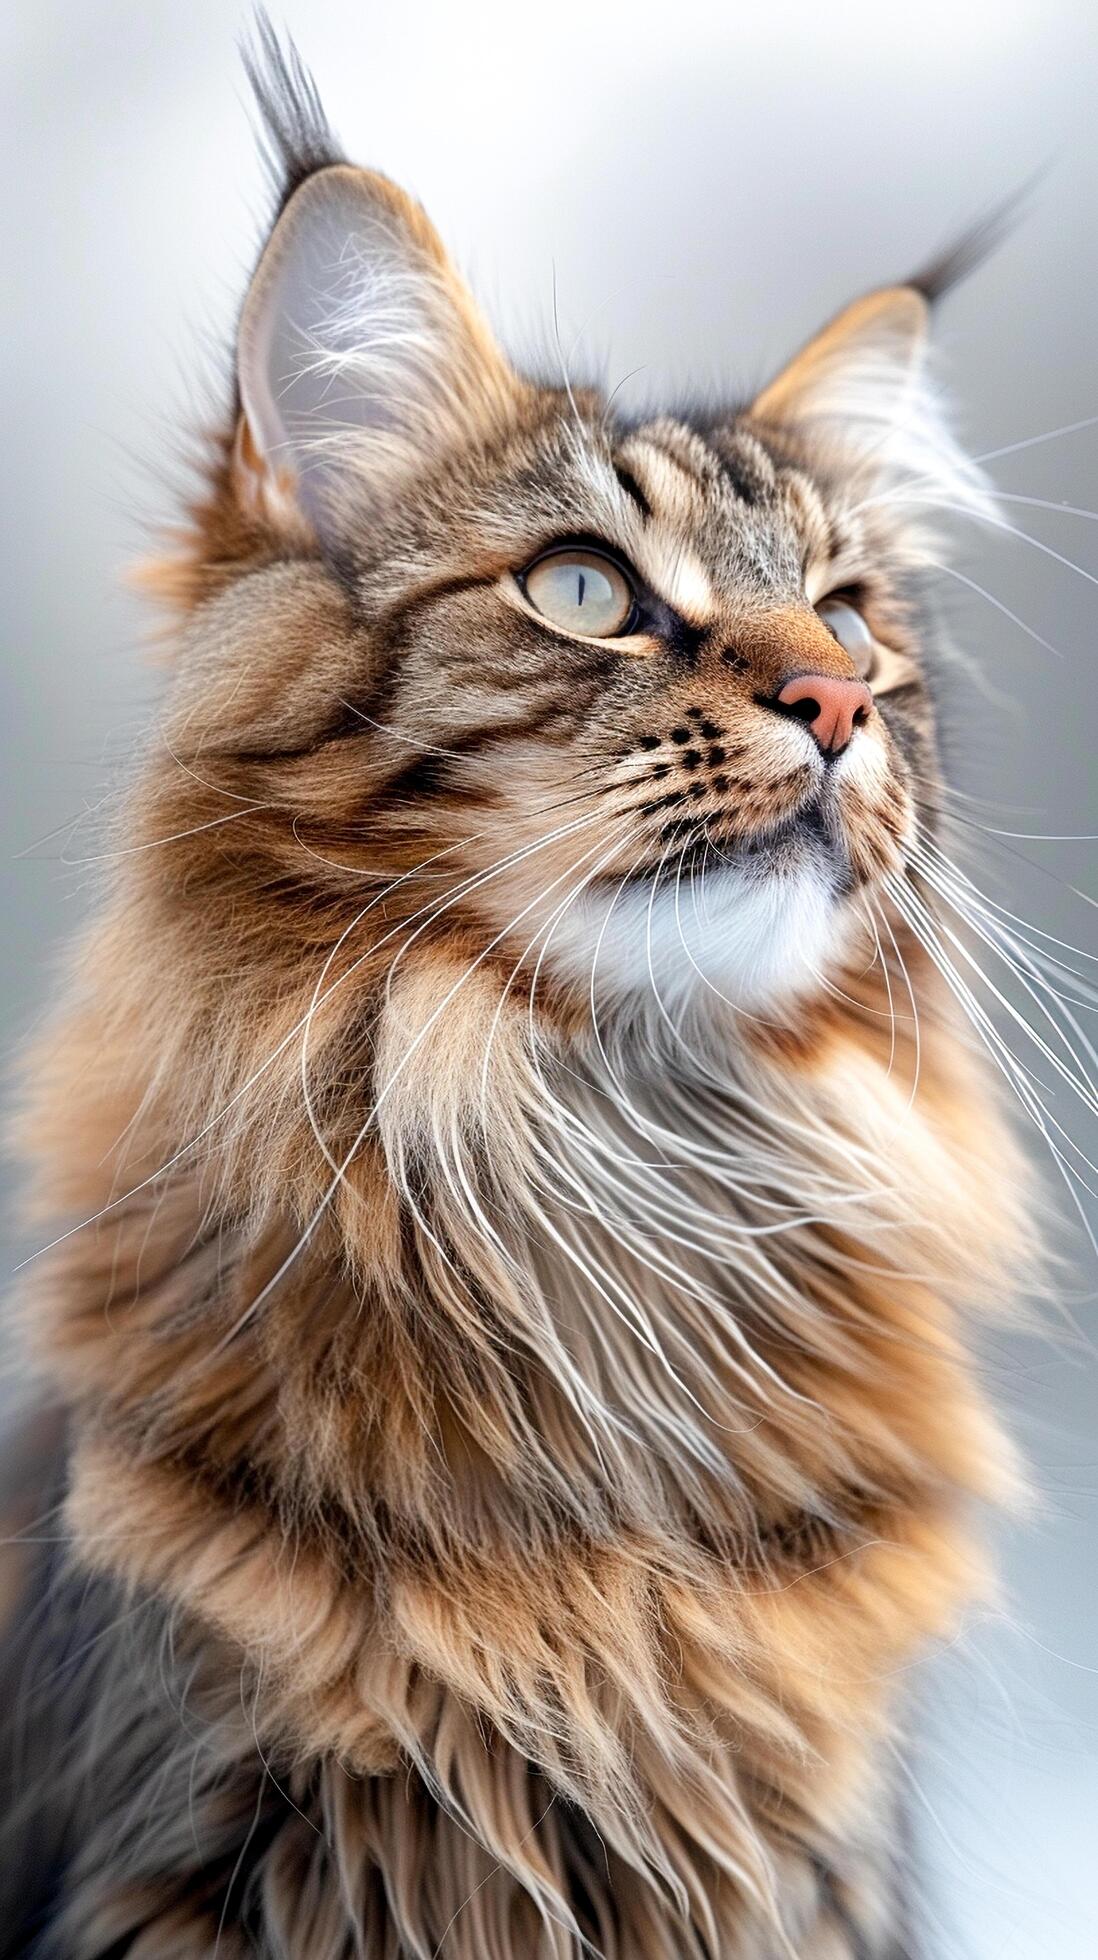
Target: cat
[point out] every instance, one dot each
(518, 1182)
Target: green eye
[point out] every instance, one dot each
(581, 592)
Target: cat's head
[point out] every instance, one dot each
(641, 705)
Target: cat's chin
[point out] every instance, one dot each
(758, 930)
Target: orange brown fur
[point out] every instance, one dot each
(541, 1573)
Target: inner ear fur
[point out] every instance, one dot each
(361, 354)
(862, 357)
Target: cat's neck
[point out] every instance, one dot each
(580, 1377)
(693, 1248)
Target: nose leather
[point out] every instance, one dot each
(840, 705)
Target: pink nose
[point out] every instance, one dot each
(831, 708)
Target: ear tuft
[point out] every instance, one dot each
(295, 136)
(361, 355)
(967, 253)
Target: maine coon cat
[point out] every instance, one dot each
(516, 1175)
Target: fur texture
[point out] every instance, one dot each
(520, 1179)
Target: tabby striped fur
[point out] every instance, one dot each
(518, 1207)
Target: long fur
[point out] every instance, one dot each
(519, 1427)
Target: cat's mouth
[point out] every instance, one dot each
(812, 833)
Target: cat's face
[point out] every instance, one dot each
(670, 693)
(639, 707)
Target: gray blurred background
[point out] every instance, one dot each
(703, 184)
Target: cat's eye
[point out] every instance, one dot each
(581, 592)
(848, 626)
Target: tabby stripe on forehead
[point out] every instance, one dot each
(662, 457)
(632, 489)
(742, 473)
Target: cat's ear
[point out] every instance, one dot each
(862, 368)
(361, 354)
(863, 392)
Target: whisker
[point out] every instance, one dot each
(1014, 949)
(982, 898)
(577, 418)
(158, 843)
(217, 788)
(397, 735)
(996, 523)
(1077, 1082)
(963, 578)
(650, 1255)
(902, 963)
(257, 1075)
(341, 1168)
(1017, 1078)
(1046, 503)
(1030, 442)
